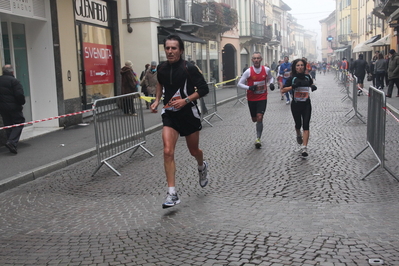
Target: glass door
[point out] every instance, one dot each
(15, 53)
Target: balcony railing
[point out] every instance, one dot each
(344, 38)
(219, 17)
(194, 14)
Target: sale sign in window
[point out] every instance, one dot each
(99, 63)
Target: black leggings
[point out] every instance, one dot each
(301, 111)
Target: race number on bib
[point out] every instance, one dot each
(175, 97)
(301, 94)
(287, 74)
(261, 87)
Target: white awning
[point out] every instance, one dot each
(366, 46)
(383, 41)
(340, 50)
(362, 47)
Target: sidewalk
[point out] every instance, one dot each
(265, 206)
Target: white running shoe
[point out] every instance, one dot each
(304, 151)
(287, 102)
(171, 200)
(258, 144)
(203, 175)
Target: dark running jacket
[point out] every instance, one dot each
(173, 77)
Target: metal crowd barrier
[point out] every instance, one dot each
(241, 94)
(352, 95)
(376, 130)
(119, 127)
(208, 105)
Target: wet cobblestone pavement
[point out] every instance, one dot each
(265, 206)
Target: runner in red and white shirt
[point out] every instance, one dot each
(255, 80)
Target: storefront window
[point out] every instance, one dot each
(214, 61)
(97, 63)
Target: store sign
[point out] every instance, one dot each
(22, 7)
(92, 11)
(99, 63)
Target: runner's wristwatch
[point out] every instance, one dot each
(187, 100)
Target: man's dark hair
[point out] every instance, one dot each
(293, 67)
(360, 56)
(8, 69)
(175, 38)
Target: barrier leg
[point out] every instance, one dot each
(109, 166)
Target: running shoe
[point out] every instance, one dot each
(287, 102)
(258, 144)
(304, 151)
(282, 97)
(203, 175)
(299, 139)
(171, 200)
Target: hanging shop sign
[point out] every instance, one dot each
(92, 11)
(99, 63)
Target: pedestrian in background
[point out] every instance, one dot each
(130, 84)
(360, 68)
(372, 67)
(380, 69)
(182, 84)
(393, 72)
(285, 71)
(150, 80)
(299, 84)
(255, 80)
(12, 99)
(245, 68)
(143, 85)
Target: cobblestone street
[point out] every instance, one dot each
(265, 206)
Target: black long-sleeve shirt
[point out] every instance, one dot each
(173, 77)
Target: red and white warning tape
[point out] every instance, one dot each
(390, 113)
(46, 119)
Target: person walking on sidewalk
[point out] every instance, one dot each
(285, 71)
(257, 78)
(360, 68)
(183, 85)
(12, 99)
(143, 86)
(130, 84)
(301, 107)
(380, 69)
(150, 80)
(393, 72)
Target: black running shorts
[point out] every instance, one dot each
(186, 121)
(257, 107)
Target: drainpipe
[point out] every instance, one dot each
(129, 28)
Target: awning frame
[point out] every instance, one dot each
(185, 36)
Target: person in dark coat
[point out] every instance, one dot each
(360, 67)
(12, 99)
(130, 83)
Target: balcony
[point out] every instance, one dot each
(254, 32)
(344, 39)
(172, 13)
(388, 7)
(194, 13)
(218, 17)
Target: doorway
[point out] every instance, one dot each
(15, 53)
(229, 63)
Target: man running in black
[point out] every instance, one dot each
(182, 84)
